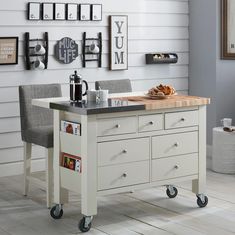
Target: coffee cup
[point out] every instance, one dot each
(91, 95)
(102, 95)
(38, 64)
(93, 48)
(226, 122)
(39, 49)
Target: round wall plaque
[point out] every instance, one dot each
(66, 50)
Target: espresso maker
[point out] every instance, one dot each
(76, 82)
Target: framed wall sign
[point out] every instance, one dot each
(66, 50)
(84, 12)
(8, 50)
(47, 11)
(59, 11)
(227, 29)
(34, 11)
(96, 12)
(118, 33)
(72, 11)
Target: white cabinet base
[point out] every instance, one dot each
(121, 152)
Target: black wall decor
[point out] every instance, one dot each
(71, 11)
(34, 11)
(66, 50)
(96, 12)
(161, 58)
(47, 11)
(59, 11)
(64, 11)
(87, 53)
(30, 53)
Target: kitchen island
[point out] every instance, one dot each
(129, 143)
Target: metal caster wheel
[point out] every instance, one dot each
(85, 224)
(171, 191)
(202, 200)
(56, 212)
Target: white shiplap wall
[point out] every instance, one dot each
(154, 26)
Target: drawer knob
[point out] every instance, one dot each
(151, 123)
(176, 144)
(176, 167)
(124, 175)
(182, 119)
(118, 126)
(124, 151)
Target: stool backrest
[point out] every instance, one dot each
(32, 116)
(114, 86)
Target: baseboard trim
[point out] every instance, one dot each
(16, 168)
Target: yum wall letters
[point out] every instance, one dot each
(118, 42)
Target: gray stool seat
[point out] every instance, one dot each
(37, 128)
(42, 136)
(114, 86)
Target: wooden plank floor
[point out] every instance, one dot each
(147, 212)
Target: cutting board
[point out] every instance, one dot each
(176, 101)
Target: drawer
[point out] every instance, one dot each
(123, 151)
(181, 119)
(116, 126)
(173, 167)
(151, 122)
(123, 175)
(175, 144)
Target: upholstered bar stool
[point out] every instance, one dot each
(114, 86)
(37, 128)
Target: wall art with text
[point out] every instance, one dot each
(118, 32)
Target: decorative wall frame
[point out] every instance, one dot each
(118, 33)
(227, 30)
(34, 10)
(66, 50)
(64, 11)
(84, 12)
(8, 50)
(96, 12)
(47, 11)
(71, 11)
(59, 11)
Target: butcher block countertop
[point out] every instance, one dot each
(121, 102)
(175, 101)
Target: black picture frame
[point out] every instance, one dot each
(58, 11)
(84, 12)
(44, 10)
(3, 52)
(34, 11)
(71, 8)
(96, 12)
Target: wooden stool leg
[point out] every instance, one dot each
(49, 176)
(27, 166)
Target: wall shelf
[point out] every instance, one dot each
(161, 58)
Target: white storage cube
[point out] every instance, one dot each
(223, 155)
